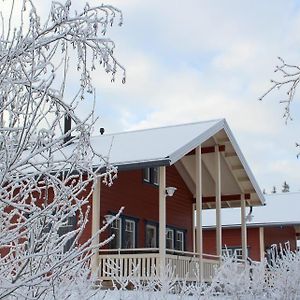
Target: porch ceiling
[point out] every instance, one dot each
(234, 178)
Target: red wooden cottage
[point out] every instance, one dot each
(277, 223)
(203, 162)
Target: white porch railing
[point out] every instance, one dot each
(144, 263)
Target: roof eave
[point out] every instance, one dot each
(134, 165)
(244, 163)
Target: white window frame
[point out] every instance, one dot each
(119, 228)
(238, 252)
(180, 242)
(155, 235)
(131, 231)
(233, 251)
(168, 230)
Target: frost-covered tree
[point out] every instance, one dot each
(288, 80)
(285, 187)
(47, 171)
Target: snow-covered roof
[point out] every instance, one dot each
(280, 208)
(163, 145)
(167, 145)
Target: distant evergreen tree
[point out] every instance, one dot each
(285, 187)
(273, 190)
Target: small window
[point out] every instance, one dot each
(147, 174)
(233, 251)
(227, 252)
(155, 176)
(179, 240)
(151, 175)
(151, 236)
(129, 237)
(169, 238)
(116, 230)
(238, 253)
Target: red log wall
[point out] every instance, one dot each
(141, 201)
(280, 235)
(231, 237)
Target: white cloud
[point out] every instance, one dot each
(201, 59)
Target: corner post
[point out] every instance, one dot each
(218, 203)
(262, 243)
(96, 225)
(194, 225)
(162, 220)
(199, 235)
(243, 228)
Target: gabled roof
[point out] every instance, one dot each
(165, 146)
(280, 209)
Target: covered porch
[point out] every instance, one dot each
(218, 177)
(146, 263)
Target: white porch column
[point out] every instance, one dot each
(262, 243)
(194, 229)
(243, 228)
(218, 203)
(96, 225)
(162, 219)
(199, 235)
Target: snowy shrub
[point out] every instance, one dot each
(276, 279)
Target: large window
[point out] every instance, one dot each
(169, 238)
(68, 227)
(179, 240)
(116, 227)
(151, 236)
(124, 229)
(129, 234)
(151, 175)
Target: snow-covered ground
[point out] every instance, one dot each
(276, 279)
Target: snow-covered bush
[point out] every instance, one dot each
(277, 278)
(47, 171)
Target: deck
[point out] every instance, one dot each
(144, 263)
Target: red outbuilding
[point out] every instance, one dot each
(277, 224)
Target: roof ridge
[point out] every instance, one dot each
(159, 127)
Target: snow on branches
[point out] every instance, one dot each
(47, 172)
(290, 77)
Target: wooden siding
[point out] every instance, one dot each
(232, 238)
(280, 235)
(140, 200)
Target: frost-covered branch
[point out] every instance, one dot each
(289, 80)
(47, 173)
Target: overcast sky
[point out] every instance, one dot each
(196, 60)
